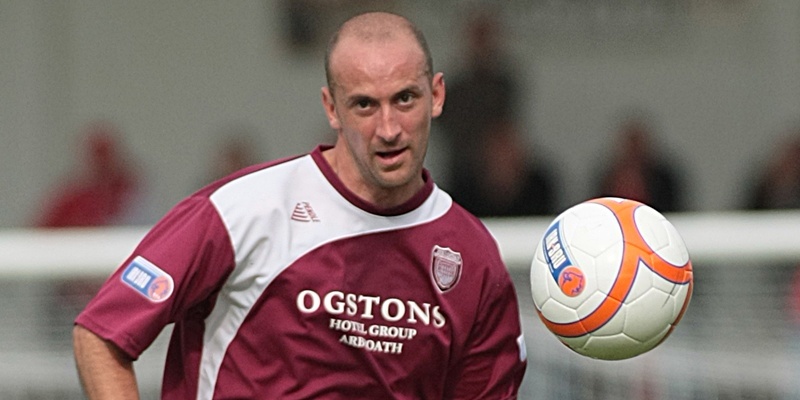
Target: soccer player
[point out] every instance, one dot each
(340, 274)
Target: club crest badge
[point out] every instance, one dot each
(445, 267)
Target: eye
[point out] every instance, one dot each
(363, 103)
(405, 98)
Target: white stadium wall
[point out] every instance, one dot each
(736, 340)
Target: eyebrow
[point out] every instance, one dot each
(357, 97)
(414, 88)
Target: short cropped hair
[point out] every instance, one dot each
(377, 30)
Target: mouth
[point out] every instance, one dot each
(389, 155)
(391, 159)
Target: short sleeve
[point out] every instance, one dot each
(495, 360)
(174, 274)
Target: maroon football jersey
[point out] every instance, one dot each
(283, 284)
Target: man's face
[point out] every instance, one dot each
(381, 105)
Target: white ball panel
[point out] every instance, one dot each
(608, 264)
(676, 253)
(661, 236)
(648, 315)
(575, 343)
(656, 339)
(616, 347)
(643, 282)
(540, 275)
(680, 294)
(592, 228)
(664, 285)
(558, 313)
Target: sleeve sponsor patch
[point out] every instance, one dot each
(148, 280)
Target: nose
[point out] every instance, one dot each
(388, 128)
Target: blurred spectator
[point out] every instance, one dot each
(637, 171)
(484, 92)
(236, 149)
(510, 182)
(777, 186)
(103, 192)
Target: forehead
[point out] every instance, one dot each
(358, 64)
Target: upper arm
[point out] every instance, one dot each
(177, 268)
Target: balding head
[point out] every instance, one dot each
(376, 27)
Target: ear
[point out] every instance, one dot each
(330, 109)
(437, 92)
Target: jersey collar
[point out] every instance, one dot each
(412, 203)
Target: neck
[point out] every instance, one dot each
(352, 179)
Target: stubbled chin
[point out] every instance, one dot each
(398, 177)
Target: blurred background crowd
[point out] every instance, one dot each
(112, 112)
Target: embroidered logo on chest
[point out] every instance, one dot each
(304, 213)
(445, 267)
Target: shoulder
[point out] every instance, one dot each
(253, 170)
(471, 224)
(234, 195)
(474, 238)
